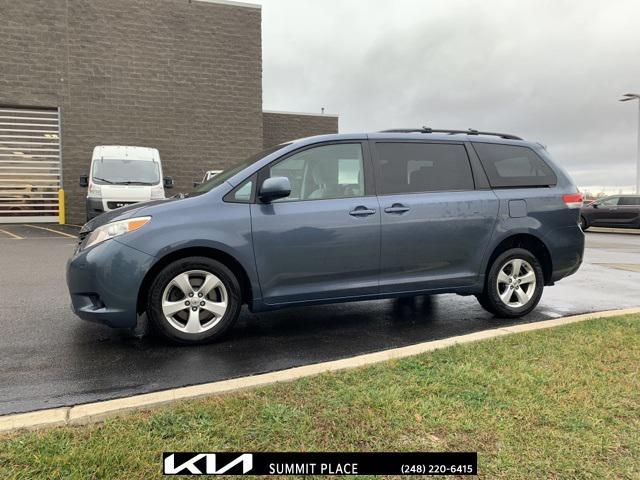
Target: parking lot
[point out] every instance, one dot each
(50, 358)
(36, 231)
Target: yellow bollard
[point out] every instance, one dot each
(61, 213)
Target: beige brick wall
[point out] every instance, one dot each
(280, 127)
(183, 77)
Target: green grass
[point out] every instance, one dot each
(558, 403)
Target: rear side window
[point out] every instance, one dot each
(629, 201)
(421, 167)
(514, 166)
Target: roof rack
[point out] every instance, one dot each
(471, 131)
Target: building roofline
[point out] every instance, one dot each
(302, 113)
(232, 3)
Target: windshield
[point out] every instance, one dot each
(231, 171)
(125, 172)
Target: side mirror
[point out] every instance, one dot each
(196, 184)
(274, 188)
(594, 205)
(167, 182)
(84, 181)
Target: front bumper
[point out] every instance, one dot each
(104, 282)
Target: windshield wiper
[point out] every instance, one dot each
(134, 183)
(103, 180)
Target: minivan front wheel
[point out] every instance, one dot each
(514, 284)
(194, 300)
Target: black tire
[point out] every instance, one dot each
(490, 299)
(583, 224)
(484, 303)
(167, 274)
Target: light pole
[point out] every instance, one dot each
(627, 97)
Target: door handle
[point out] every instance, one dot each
(361, 211)
(397, 208)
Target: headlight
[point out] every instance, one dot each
(114, 229)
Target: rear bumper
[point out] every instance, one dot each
(566, 246)
(104, 281)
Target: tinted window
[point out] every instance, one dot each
(629, 201)
(514, 166)
(329, 171)
(422, 167)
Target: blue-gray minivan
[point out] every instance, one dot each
(337, 218)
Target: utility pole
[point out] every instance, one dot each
(627, 97)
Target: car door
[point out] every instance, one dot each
(604, 212)
(628, 211)
(435, 226)
(323, 240)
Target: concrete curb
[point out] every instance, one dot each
(623, 231)
(95, 412)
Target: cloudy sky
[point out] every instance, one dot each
(550, 71)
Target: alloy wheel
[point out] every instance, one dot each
(516, 283)
(194, 301)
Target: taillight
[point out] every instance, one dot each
(573, 200)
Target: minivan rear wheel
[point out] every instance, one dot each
(194, 300)
(513, 285)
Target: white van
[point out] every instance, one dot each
(122, 175)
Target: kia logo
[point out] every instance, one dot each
(204, 464)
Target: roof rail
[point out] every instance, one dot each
(471, 131)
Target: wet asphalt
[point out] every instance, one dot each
(49, 358)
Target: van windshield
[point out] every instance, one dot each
(125, 172)
(222, 177)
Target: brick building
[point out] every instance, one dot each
(182, 76)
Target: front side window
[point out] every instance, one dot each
(318, 173)
(609, 202)
(243, 194)
(125, 172)
(514, 166)
(421, 167)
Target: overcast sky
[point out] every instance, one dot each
(550, 71)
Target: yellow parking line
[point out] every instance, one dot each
(12, 235)
(51, 230)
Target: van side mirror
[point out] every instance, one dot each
(84, 181)
(167, 182)
(594, 205)
(196, 184)
(274, 188)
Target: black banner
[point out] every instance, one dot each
(320, 463)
